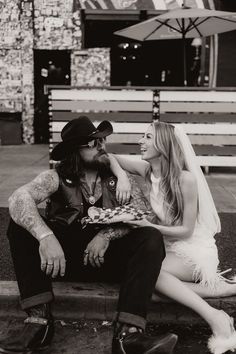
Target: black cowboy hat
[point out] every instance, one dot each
(77, 132)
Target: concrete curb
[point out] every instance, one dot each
(98, 301)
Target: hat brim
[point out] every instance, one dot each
(103, 129)
(65, 148)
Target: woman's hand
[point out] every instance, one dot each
(123, 188)
(140, 223)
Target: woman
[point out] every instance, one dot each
(187, 218)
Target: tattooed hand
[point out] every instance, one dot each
(23, 203)
(52, 256)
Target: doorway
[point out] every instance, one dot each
(51, 67)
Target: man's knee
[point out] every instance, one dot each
(153, 240)
(14, 230)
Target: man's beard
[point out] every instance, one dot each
(100, 162)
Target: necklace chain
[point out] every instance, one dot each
(90, 195)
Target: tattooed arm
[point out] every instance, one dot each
(113, 232)
(97, 247)
(23, 203)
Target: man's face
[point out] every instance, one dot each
(94, 154)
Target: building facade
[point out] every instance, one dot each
(71, 42)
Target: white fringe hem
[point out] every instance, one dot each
(205, 269)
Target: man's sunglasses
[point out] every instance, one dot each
(93, 143)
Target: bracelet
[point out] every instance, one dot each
(41, 237)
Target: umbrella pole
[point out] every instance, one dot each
(184, 61)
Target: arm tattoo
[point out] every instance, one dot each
(113, 232)
(23, 202)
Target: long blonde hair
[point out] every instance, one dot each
(172, 164)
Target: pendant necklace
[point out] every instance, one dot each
(91, 197)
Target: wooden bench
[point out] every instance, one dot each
(208, 117)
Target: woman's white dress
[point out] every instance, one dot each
(198, 251)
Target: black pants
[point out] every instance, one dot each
(134, 261)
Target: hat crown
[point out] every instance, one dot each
(76, 128)
(77, 132)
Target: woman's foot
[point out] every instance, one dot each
(224, 335)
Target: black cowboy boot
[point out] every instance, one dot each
(37, 332)
(131, 340)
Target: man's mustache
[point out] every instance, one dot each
(100, 153)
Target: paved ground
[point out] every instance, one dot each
(80, 337)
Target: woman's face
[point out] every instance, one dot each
(147, 148)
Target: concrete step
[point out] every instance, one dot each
(97, 301)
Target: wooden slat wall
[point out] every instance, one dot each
(208, 117)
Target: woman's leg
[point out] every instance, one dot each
(223, 289)
(170, 284)
(175, 266)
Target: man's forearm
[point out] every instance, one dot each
(111, 233)
(24, 212)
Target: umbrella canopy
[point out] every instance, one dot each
(181, 23)
(187, 22)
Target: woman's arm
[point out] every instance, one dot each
(189, 192)
(120, 163)
(119, 166)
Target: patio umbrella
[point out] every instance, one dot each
(181, 23)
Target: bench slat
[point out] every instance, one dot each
(102, 95)
(202, 150)
(111, 116)
(114, 138)
(198, 96)
(101, 106)
(176, 117)
(211, 150)
(117, 127)
(212, 139)
(197, 107)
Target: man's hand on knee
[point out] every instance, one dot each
(95, 250)
(52, 256)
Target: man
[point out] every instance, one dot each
(58, 245)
